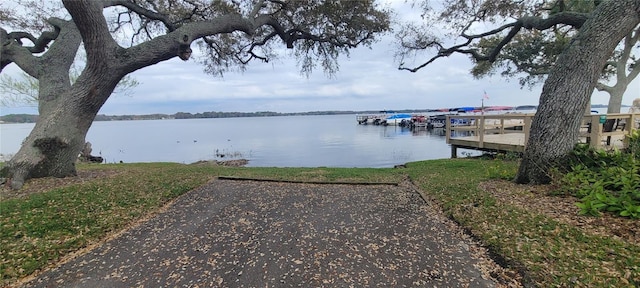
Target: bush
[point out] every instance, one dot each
(633, 144)
(605, 181)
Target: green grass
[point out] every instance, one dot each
(359, 175)
(549, 252)
(38, 230)
(42, 227)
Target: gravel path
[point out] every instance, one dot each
(232, 233)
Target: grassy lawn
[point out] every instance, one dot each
(549, 252)
(39, 229)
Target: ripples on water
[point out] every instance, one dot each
(287, 141)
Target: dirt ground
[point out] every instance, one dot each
(562, 209)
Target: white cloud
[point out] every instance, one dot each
(368, 80)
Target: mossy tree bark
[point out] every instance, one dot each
(52, 147)
(567, 91)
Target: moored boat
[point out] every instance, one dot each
(396, 119)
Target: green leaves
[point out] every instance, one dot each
(605, 181)
(632, 211)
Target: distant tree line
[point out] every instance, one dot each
(27, 118)
(186, 115)
(19, 118)
(102, 117)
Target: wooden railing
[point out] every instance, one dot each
(481, 125)
(607, 127)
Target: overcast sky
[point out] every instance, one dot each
(368, 80)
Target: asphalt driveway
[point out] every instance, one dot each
(232, 233)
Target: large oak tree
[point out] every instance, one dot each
(531, 54)
(567, 90)
(231, 34)
(573, 76)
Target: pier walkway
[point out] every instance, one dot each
(510, 132)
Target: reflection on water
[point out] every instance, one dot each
(288, 141)
(439, 132)
(456, 133)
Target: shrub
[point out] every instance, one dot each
(633, 144)
(605, 180)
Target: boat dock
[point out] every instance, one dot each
(510, 132)
(414, 120)
(384, 117)
(370, 118)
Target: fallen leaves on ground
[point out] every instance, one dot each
(562, 208)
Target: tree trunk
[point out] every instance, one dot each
(567, 91)
(66, 112)
(615, 96)
(624, 73)
(53, 146)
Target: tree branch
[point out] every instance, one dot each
(4, 41)
(256, 9)
(63, 50)
(603, 87)
(95, 32)
(527, 22)
(12, 52)
(573, 19)
(143, 12)
(171, 44)
(635, 70)
(39, 44)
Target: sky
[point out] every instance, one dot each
(367, 80)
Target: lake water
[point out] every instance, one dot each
(287, 141)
